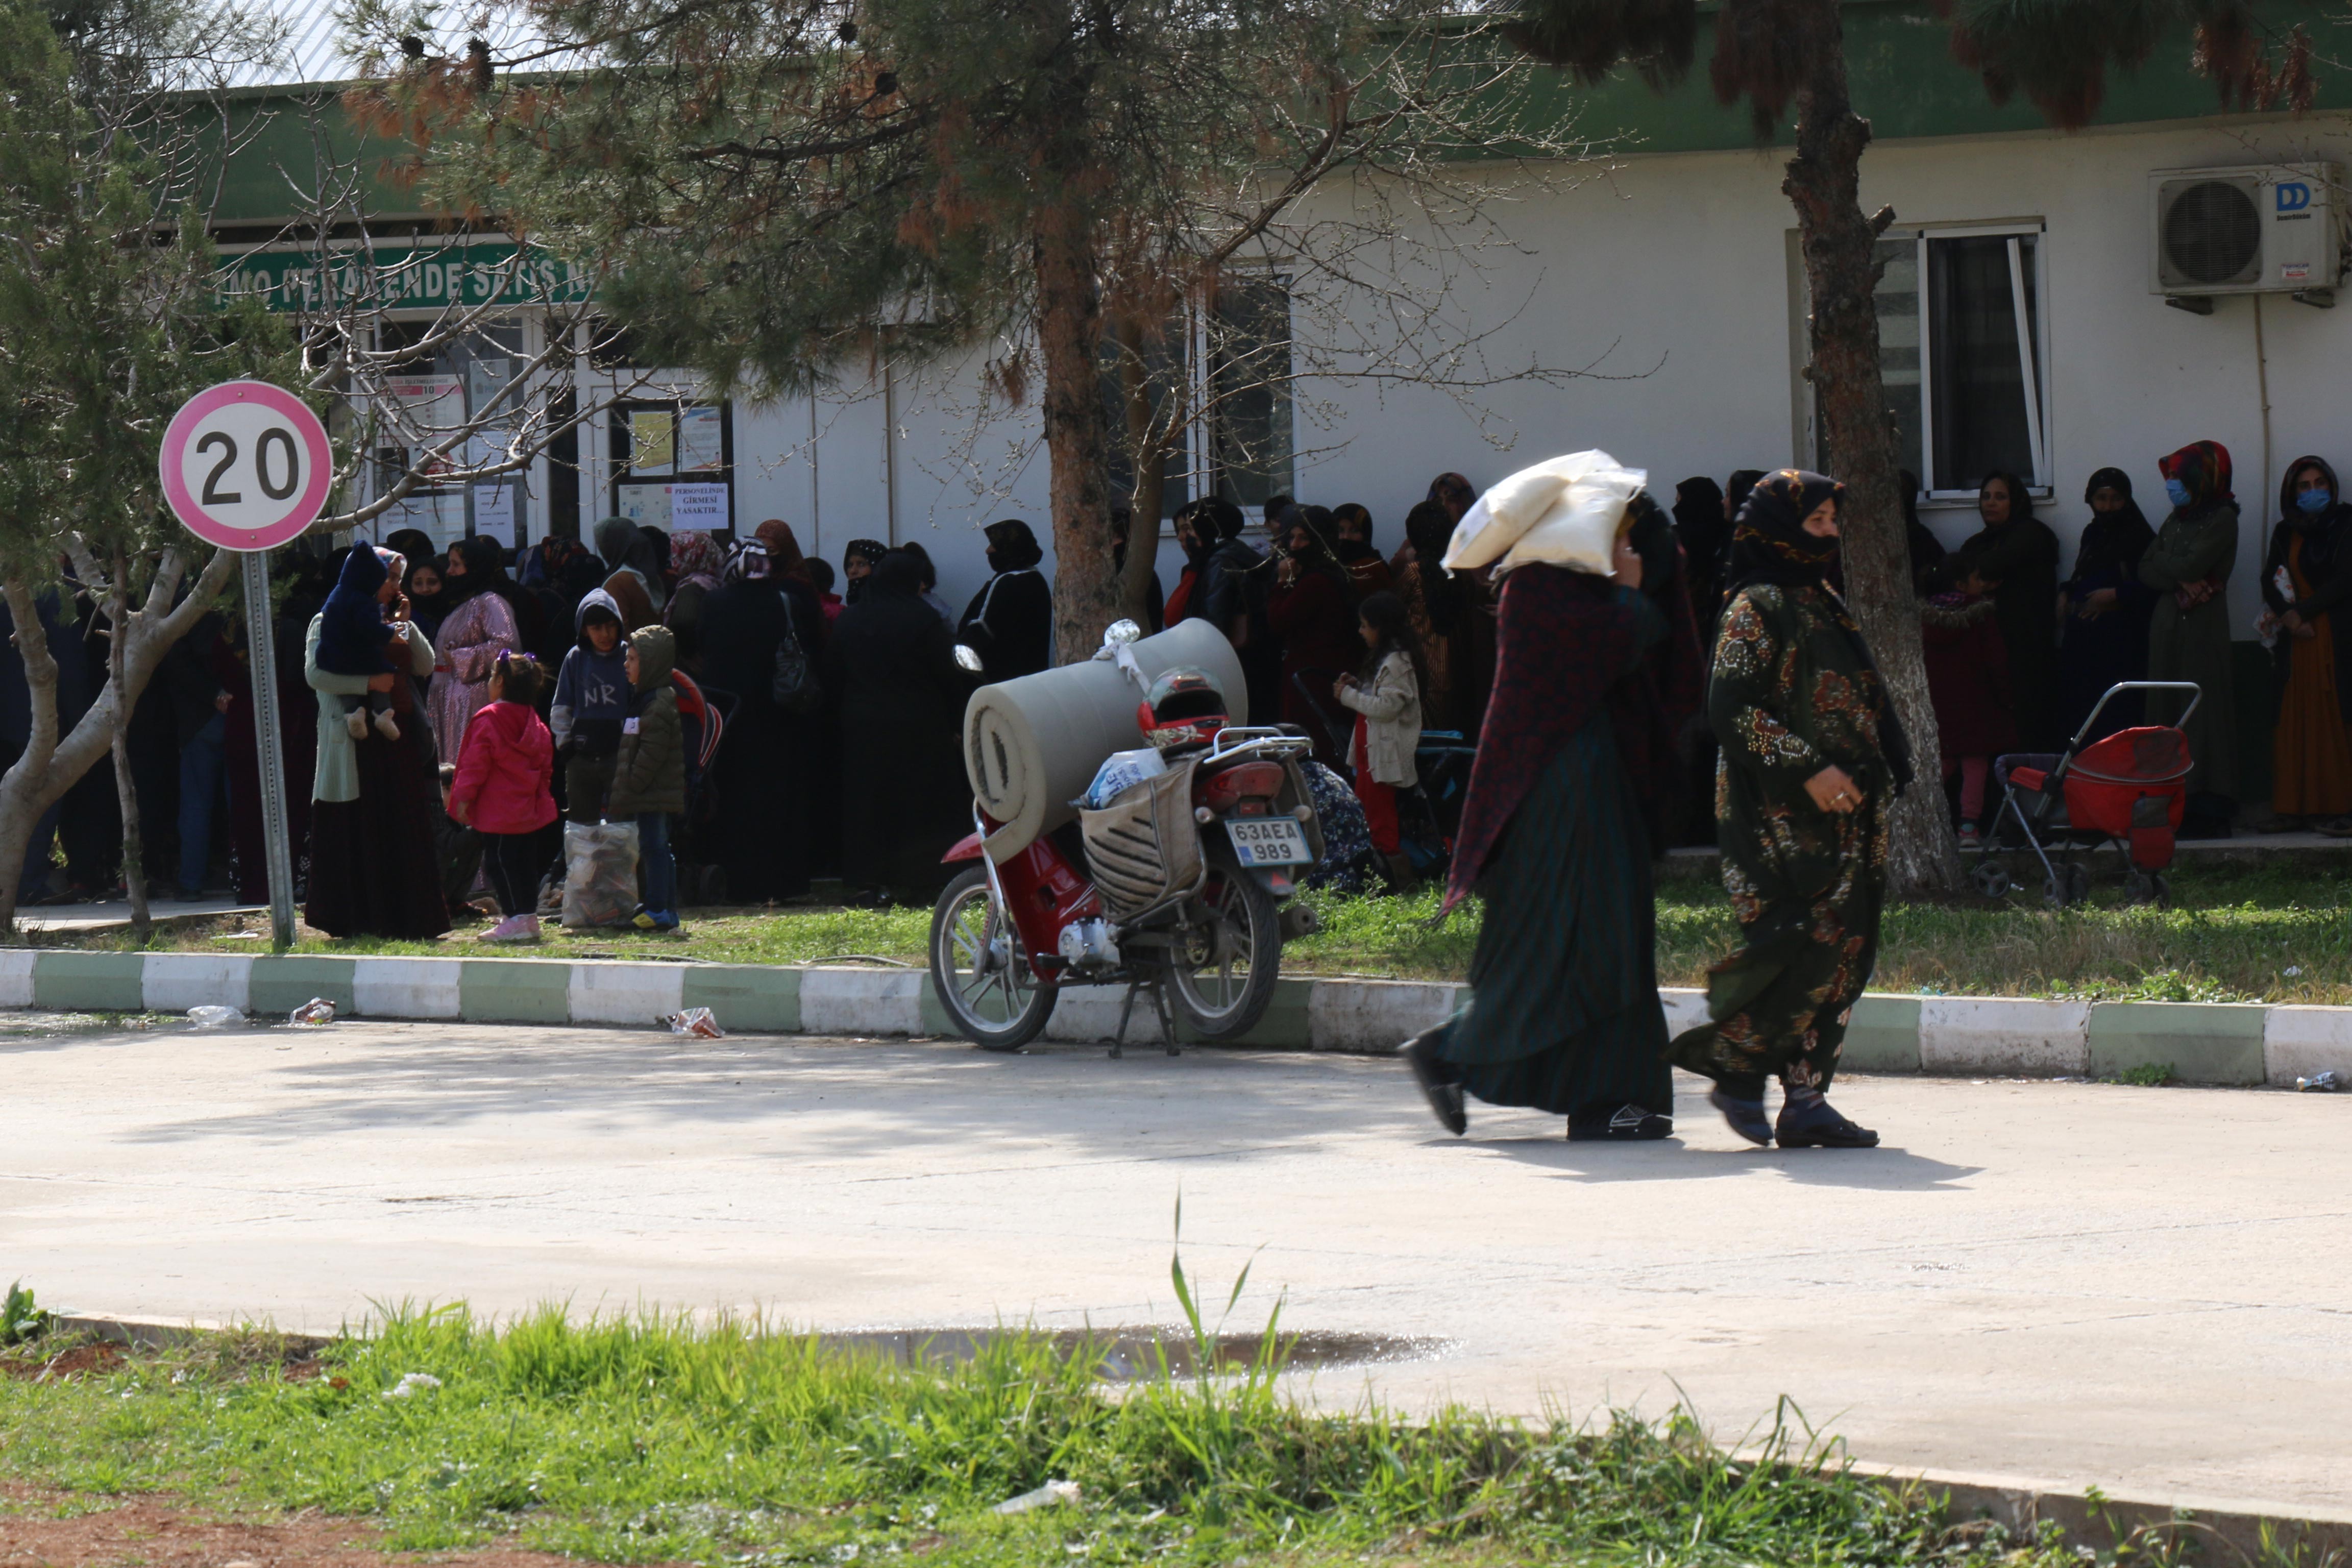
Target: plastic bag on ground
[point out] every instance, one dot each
(1563, 511)
(314, 1014)
(213, 1016)
(600, 873)
(694, 1021)
(1047, 1496)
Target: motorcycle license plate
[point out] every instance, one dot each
(1269, 841)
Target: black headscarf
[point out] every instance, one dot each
(2113, 541)
(1699, 522)
(1768, 541)
(1430, 527)
(412, 546)
(2321, 531)
(869, 551)
(1735, 491)
(486, 570)
(899, 576)
(1653, 538)
(1011, 546)
(2020, 501)
(1321, 553)
(1770, 544)
(1351, 551)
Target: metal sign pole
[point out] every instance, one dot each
(261, 639)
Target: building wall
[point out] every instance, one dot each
(1669, 277)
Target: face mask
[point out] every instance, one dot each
(2178, 491)
(2315, 501)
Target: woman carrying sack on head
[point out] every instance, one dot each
(1563, 1013)
(1812, 761)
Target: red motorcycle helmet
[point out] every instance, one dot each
(1185, 707)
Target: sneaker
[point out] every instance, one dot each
(1627, 1122)
(386, 727)
(1812, 1123)
(1969, 837)
(1444, 1096)
(647, 918)
(514, 928)
(356, 722)
(1746, 1116)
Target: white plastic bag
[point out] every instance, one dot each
(697, 1022)
(600, 873)
(1563, 511)
(315, 1014)
(1119, 770)
(214, 1015)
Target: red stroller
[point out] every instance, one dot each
(2128, 790)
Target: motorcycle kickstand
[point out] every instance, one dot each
(1158, 986)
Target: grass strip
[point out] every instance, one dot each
(2235, 932)
(648, 1438)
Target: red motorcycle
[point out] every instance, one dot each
(1175, 889)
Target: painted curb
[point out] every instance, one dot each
(1960, 1035)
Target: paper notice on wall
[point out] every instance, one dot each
(486, 378)
(426, 410)
(698, 507)
(644, 504)
(442, 516)
(700, 445)
(495, 508)
(653, 436)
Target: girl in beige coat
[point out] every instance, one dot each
(1386, 698)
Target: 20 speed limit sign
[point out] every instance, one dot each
(246, 465)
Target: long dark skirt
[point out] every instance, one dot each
(374, 869)
(1563, 1013)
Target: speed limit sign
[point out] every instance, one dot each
(246, 465)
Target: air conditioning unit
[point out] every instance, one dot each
(2264, 229)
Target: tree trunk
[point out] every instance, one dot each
(1086, 596)
(1148, 439)
(49, 766)
(23, 797)
(1824, 182)
(126, 790)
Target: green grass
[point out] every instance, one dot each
(651, 1438)
(2272, 932)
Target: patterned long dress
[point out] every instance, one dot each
(1792, 694)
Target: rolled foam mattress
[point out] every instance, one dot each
(1031, 745)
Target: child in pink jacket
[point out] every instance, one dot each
(501, 791)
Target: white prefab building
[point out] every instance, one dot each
(2052, 304)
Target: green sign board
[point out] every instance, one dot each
(398, 278)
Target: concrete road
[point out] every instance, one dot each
(2145, 1289)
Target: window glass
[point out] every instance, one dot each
(1249, 390)
(1980, 357)
(1898, 303)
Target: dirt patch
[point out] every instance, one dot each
(154, 1533)
(82, 1361)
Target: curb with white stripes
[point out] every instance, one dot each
(1962, 1035)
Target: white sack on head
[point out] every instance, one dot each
(1032, 745)
(1563, 511)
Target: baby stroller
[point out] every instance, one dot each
(2128, 789)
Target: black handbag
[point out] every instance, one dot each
(794, 685)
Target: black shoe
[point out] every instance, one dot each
(1746, 1116)
(1626, 1124)
(1444, 1096)
(1815, 1125)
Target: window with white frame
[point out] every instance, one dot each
(1961, 354)
(1233, 361)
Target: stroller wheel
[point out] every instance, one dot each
(2054, 891)
(2146, 888)
(1991, 879)
(2077, 879)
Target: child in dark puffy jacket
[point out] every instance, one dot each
(356, 637)
(592, 700)
(649, 772)
(501, 791)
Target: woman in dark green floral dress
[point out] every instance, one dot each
(1811, 760)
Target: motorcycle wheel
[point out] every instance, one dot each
(982, 978)
(1224, 976)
